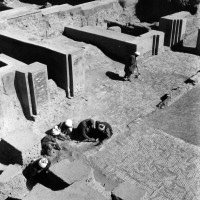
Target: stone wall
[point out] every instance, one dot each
(50, 21)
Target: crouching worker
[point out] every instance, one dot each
(49, 143)
(131, 66)
(66, 129)
(85, 130)
(103, 131)
(38, 167)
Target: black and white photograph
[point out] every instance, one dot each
(99, 99)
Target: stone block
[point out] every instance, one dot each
(77, 73)
(115, 44)
(128, 191)
(38, 78)
(151, 42)
(20, 147)
(8, 83)
(71, 172)
(77, 191)
(174, 27)
(10, 172)
(13, 183)
(53, 53)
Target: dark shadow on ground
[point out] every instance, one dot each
(56, 2)
(22, 95)
(10, 198)
(114, 76)
(110, 54)
(153, 10)
(4, 7)
(130, 29)
(49, 180)
(185, 49)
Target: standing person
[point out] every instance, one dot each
(84, 129)
(130, 67)
(104, 130)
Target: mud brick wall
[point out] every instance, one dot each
(59, 18)
(50, 21)
(96, 12)
(32, 23)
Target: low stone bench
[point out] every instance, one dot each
(71, 172)
(13, 183)
(128, 191)
(20, 147)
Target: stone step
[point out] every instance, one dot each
(128, 191)
(71, 172)
(20, 147)
(13, 183)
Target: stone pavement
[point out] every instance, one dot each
(181, 119)
(165, 166)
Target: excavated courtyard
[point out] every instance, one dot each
(155, 150)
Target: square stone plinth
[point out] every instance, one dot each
(71, 172)
(128, 191)
(20, 146)
(13, 183)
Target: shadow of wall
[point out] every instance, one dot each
(151, 10)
